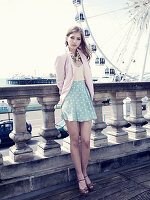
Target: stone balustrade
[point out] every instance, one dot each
(104, 133)
(18, 98)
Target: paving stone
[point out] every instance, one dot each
(129, 184)
(143, 196)
(137, 171)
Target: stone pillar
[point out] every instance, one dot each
(20, 151)
(136, 131)
(97, 137)
(47, 146)
(117, 121)
(147, 116)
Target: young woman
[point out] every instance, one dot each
(74, 80)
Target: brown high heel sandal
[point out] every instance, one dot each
(84, 191)
(90, 185)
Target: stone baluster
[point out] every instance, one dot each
(117, 121)
(97, 137)
(1, 158)
(48, 147)
(147, 116)
(20, 151)
(136, 131)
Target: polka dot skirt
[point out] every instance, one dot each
(78, 105)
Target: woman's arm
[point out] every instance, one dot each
(60, 71)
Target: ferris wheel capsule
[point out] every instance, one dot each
(86, 33)
(92, 47)
(80, 17)
(97, 61)
(76, 2)
(100, 61)
(107, 70)
(112, 71)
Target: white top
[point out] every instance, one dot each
(78, 73)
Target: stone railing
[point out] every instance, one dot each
(18, 97)
(118, 92)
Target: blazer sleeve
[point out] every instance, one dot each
(60, 72)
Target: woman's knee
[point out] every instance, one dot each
(86, 142)
(74, 142)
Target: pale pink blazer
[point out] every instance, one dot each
(65, 74)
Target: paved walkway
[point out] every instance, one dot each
(131, 184)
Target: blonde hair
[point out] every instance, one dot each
(83, 46)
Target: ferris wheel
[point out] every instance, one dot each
(118, 34)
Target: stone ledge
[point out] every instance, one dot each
(38, 165)
(54, 179)
(11, 170)
(48, 89)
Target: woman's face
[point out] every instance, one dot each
(74, 41)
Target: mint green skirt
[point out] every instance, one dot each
(78, 105)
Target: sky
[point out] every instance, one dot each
(33, 32)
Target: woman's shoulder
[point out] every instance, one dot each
(61, 58)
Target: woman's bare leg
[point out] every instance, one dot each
(73, 129)
(85, 128)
